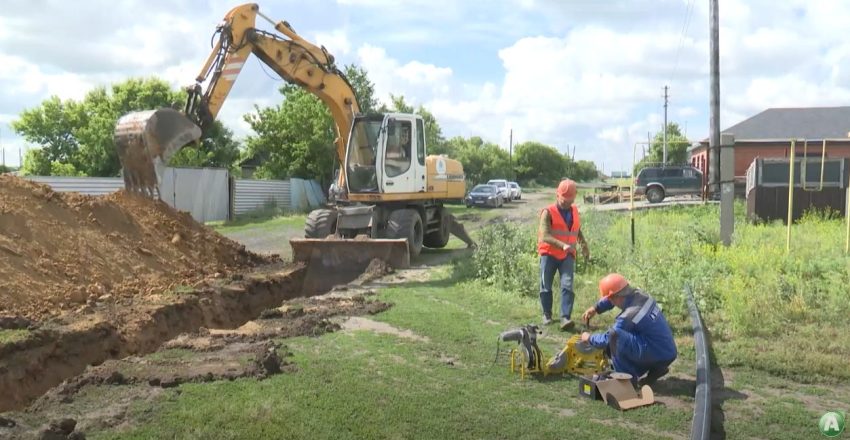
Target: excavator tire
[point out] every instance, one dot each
(439, 238)
(407, 223)
(320, 223)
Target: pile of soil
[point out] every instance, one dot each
(61, 250)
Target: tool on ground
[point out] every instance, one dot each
(588, 363)
(388, 189)
(575, 358)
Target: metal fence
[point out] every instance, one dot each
(251, 195)
(208, 194)
(93, 186)
(202, 192)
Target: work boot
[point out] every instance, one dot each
(567, 324)
(547, 320)
(653, 375)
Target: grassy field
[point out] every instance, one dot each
(779, 341)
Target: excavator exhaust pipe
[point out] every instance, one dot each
(334, 260)
(146, 141)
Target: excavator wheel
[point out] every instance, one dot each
(320, 223)
(439, 238)
(407, 223)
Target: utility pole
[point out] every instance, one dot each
(725, 189)
(510, 155)
(664, 160)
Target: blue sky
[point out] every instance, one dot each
(582, 73)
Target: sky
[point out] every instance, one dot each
(580, 75)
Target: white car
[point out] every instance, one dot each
(503, 187)
(516, 191)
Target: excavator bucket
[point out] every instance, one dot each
(146, 141)
(334, 260)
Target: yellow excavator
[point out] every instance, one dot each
(391, 193)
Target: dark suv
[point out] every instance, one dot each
(672, 180)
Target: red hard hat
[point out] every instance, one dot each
(612, 284)
(567, 189)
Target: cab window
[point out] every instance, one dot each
(397, 156)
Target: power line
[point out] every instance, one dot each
(685, 24)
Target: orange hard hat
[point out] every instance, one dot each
(612, 284)
(567, 189)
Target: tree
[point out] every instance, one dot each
(677, 147)
(218, 149)
(364, 89)
(36, 163)
(295, 137)
(51, 126)
(539, 162)
(481, 160)
(81, 133)
(584, 171)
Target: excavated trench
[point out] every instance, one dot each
(56, 352)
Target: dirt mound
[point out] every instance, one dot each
(60, 250)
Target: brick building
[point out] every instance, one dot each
(769, 134)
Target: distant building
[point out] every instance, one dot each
(620, 174)
(249, 165)
(769, 134)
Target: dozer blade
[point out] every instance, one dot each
(146, 141)
(332, 261)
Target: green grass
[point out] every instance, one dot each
(259, 223)
(366, 385)
(10, 336)
(778, 329)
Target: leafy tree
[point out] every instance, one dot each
(584, 171)
(481, 160)
(218, 149)
(36, 163)
(81, 133)
(296, 137)
(364, 89)
(51, 126)
(677, 147)
(539, 162)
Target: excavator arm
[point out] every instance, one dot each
(147, 140)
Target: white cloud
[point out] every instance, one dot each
(336, 42)
(567, 73)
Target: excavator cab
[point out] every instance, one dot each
(384, 155)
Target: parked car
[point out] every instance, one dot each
(659, 182)
(484, 195)
(516, 191)
(503, 187)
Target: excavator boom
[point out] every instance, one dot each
(147, 140)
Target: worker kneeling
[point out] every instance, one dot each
(640, 341)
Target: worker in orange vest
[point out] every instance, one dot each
(558, 234)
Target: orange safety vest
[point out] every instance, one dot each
(561, 232)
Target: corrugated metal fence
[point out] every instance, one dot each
(251, 195)
(93, 186)
(208, 194)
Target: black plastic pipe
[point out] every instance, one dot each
(701, 427)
